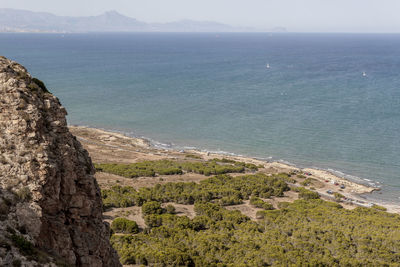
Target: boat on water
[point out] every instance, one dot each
(364, 74)
(267, 66)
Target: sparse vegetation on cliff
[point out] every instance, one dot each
(40, 84)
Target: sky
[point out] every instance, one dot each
(295, 15)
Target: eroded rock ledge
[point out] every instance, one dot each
(50, 203)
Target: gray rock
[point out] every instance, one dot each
(48, 194)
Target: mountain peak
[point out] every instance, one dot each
(112, 13)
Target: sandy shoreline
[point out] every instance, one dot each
(133, 149)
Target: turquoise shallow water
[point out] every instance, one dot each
(312, 107)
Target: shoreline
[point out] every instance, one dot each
(353, 191)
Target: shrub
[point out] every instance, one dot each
(306, 194)
(125, 226)
(230, 200)
(170, 209)
(125, 170)
(193, 156)
(338, 196)
(119, 196)
(151, 207)
(259, 203)
(377, 207)
(307, 181)
(283, 205)
(16, 263)
(24, 246)
(4, 208)
(261, 214)
(153, 220)
(24, 194)
(40, 84)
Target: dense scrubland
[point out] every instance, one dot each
(307, 232)
(170, 167)
(221, 189)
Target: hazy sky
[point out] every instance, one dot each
(295, 15)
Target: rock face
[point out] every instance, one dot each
(50, 203)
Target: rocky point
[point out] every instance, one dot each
(50, 203)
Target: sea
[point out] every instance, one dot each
(328, 101)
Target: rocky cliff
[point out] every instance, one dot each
(50, 203)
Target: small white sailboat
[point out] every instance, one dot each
(267, 66)
(364, 74)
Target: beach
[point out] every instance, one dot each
(113, 147)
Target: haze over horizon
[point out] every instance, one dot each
(297, 16)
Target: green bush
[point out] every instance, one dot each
(377, 207)
(249, 166)
(338, 196)
(283, 205)
(153, 220)
(126, 170)
(286, 177)
(259, 203)
(230, 200)
(120, 197)
(151, 207)
(170, 209)
(306, 194)
(307, 181)
(261, 214)
(193, 156)
(40, 84)
(125, 226)
(24, 246)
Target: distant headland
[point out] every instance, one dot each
(16, 20)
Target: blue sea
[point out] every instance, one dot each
(313, 107)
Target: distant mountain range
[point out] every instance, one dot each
(15, 20)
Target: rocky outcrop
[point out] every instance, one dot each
(50, 203)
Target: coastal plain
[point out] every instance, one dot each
(112, 147)
(196, 208)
